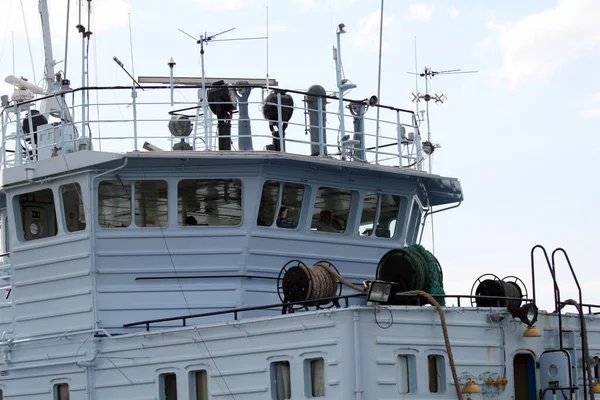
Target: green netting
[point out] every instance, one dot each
(429, 272)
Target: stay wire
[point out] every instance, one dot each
(162, 233)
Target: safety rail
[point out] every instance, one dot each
(287, 305)
(59, 124)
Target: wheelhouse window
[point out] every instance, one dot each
(61, 391)
(73, 207)
(167, 384)
(209, 202)
(151, 206)
(281, 388)
(331, 210)
(1, 394)
(114, 204)
(314, 375)
(38, 214)
(379, 215)
(199, 385)
(413, 227)
(283, 200)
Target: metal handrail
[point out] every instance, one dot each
(400, 149)
(235, 311)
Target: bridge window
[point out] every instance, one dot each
(210, 202)
(1, 395)
(413, 227)
(61, 391)
(37, 214)
(314, 371)
(381, 211)
(281, 388)
(151, 207)
(73, 207)
(167, 384)
(199, 385)
(437, 373)
(331, 210)
(114, 204)
(283, 200)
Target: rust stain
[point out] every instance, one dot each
(489, 352)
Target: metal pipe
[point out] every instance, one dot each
(280, 123)
(357, 374)
(134, 97)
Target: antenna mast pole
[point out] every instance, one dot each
(379, 83)
(204, 103)
(49, 58)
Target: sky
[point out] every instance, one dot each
(519, 134)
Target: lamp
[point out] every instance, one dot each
(471, 387)
(596, 387)
(379, 291)
(528, 314)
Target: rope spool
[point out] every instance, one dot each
(299, 282)
(412, 268)
(490, 285)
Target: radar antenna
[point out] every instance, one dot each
(202, 41)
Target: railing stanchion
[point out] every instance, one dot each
(280, 122)
(320, 110)
(134, 103)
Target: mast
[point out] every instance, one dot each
(49, 58)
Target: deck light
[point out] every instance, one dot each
(528, 314)
(379, 291)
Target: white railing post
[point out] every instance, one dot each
(18, 145)
(3, 147)
(280, 123)
(134, 103)
(320, 110)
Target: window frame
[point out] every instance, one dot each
(19, 216)
(242, 202)
(57, 393)
(308, 377)
(411, 370)
(63, 210)
(162, 382)
(439, 361)
(134, 201)
(127, 182)
(279, 204)
(378, 212)
(193, 384)
(273, 377)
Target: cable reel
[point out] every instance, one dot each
(491, 285)
(298, 282)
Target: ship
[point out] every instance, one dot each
(254, 242)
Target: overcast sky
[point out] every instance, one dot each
(520, 134)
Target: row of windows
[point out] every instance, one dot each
(213, 202)
(281, 385)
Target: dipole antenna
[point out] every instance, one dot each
(416, 97)
(202, 41)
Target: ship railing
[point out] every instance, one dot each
(113, 122)
(235, 312)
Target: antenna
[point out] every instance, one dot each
(416, 97)
(204, 40)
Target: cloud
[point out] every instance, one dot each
(453, 12)
(538, 45)
(106, 14)
(421, 12)
(369, 31)
(278, 28)
(220, 5)
(592, 111)
(306, 4)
